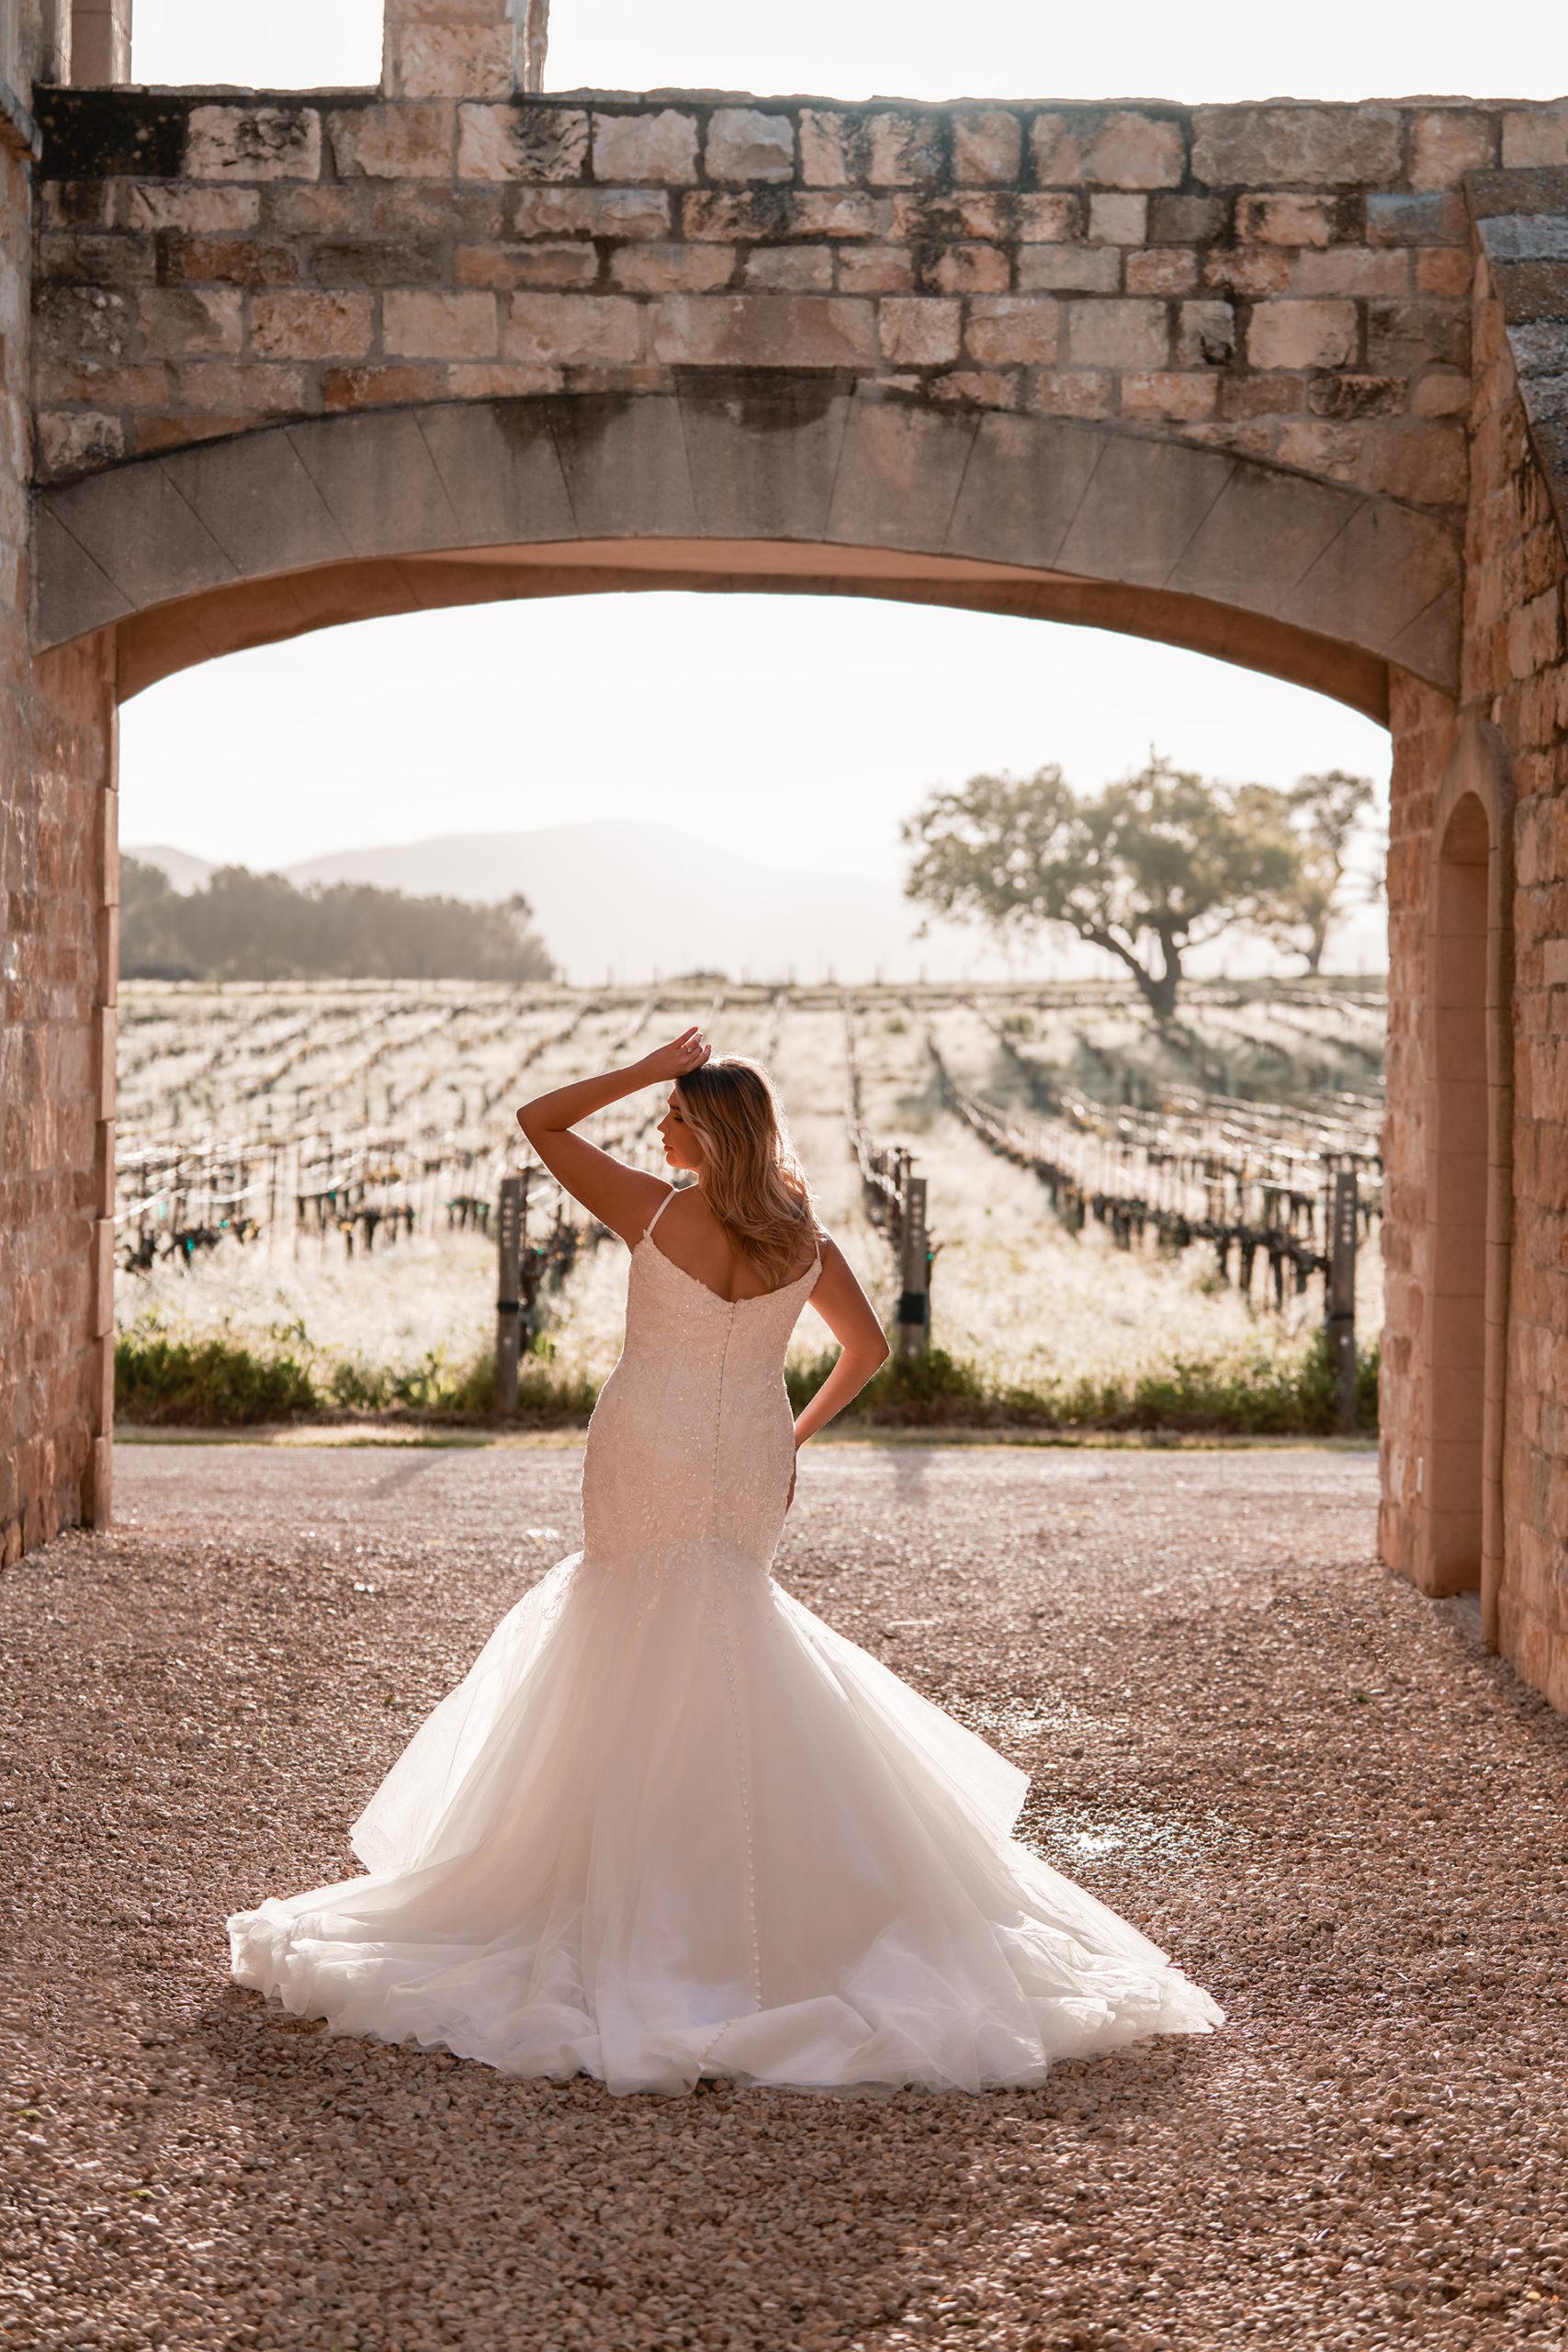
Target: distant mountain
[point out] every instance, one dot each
(183, 868)
(635, 900)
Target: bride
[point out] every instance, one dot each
(670, 1825)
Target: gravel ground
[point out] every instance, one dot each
(1303, 1780)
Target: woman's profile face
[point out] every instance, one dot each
(681, 1148)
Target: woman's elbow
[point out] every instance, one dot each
(528, 1120)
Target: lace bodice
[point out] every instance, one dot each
(692, 1442)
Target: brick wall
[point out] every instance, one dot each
(56, 746)
(1287, 281)
(1515, 667)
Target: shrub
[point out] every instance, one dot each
(205, 1384)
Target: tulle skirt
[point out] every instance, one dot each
(674, 1825)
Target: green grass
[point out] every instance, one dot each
(219, 1384)
(1263, 1395)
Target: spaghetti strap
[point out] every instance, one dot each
(658, 1211)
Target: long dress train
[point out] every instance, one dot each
(670, 1825)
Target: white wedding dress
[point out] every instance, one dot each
(670, 1825)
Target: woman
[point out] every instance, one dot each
(669, 1825)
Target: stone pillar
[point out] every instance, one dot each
(100, 43)
(1421, 721)
(463, 49)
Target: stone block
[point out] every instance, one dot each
(426, 325)
(1205, 335)
(156, 204)
(1302, 335)
(949, 217)
(1175, 393)
(1315, 447)
(395, 143)
(1160, 269)
(449, 61)
(876, 269)
(1274, 146)
(241, 142)
(1186, 219)
(672, 269)
(229, 261)
(920, 334)
(1353, 270)
(967, 269)
(1117, 219)
(591, 212)
(1009, 330)
(176, 320)
(1048, 219)
(765, 331)
(310, 325)
(818, 214)
(1428, 219)
(902, 149)
(507, 267)
(633, 148)
(1347, 399)
(1402, 337)
(564, 330)
(988, 146)
(69, 257)
(358, 262)
(1250, 272)
(828, 148)
(296, 208)
(974, 387)
(744, 143)
(1117, 333)
(346, 388)
(1448, 141)
(499, 380)
(1440, 392)
(782, 269)
(1537, 137)
(1443, 269)
(73, 441)
(1070, 269)
(260, 390)
(1285, 218)
(1107, 149)
(521, 143)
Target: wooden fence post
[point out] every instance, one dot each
(1343, 1219)
(508, 1304)
(915, 1304)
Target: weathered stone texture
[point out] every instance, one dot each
(1272, 257)
(56, 1150)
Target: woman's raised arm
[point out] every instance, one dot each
(623, 1198)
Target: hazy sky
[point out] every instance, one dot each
(756, 720)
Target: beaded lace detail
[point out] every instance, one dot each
(692, 1444)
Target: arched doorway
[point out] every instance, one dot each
(1469, 1154)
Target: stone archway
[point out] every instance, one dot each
(797, 484)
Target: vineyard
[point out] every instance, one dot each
(1034, 1181)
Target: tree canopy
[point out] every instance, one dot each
(1325, 812)
(1148, 869)
(245, 926)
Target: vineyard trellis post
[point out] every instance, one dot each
(509, 1301)
(915, 1298)
(1344, 1220)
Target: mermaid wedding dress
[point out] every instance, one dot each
(670, 1825)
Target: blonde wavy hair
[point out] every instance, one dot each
(751, 1179)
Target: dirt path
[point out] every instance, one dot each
(1305, 1780)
